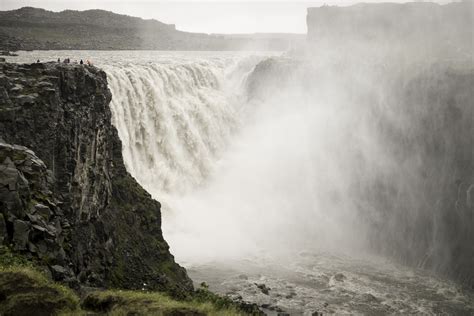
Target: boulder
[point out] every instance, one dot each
(3, 229)
(21, 230)
(265, 290)
(340, 277)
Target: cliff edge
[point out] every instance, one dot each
(66, 199)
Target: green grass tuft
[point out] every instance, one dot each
(118, 302)
(28, 291)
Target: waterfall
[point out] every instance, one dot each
(175, 117)
(284, 155)
(223, 162)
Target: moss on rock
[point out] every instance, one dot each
(107, 227)
(25, 291)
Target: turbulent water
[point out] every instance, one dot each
(256, 190)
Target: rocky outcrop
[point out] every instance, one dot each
(66, 198)
(32, 220)
(426, 205)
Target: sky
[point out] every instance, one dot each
(224, 16)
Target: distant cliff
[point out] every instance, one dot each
(37, 29)
(66, 199)
(426, 29)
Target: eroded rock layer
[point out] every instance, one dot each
(66, 198)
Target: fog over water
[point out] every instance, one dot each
(311, 175)
(334, 177)
(269, 162)
(237, 176)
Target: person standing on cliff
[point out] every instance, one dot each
(81, 62)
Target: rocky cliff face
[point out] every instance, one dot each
(418, 59)
(66, 198)
(414, 29)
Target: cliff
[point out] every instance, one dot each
(66, 199)
(417, 59)
(37, 29)
(423, 29)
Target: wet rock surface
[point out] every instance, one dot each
(429, 28)
(7, 53)
(66, 198)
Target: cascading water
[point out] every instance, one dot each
(173, 120)
(287, 173)
(247, 171)
(176, 119)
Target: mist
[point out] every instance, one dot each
(282, 186)
(324, 172)
(317, 150)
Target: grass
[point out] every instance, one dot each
(10, 259)
(30, 292)
(26, 290)
(119, 302)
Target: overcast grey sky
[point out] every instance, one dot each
(225, 16)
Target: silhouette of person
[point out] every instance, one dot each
(81, 62)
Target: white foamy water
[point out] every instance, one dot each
(246, 187)
(306, 283)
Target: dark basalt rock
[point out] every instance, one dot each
(7, 53)
(339, 277)
(428, 29)
(71, 204)
(265, 290)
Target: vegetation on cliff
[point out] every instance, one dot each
(71, 204)
(70, 211)
(27, 289)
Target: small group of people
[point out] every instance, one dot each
(68, 61)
